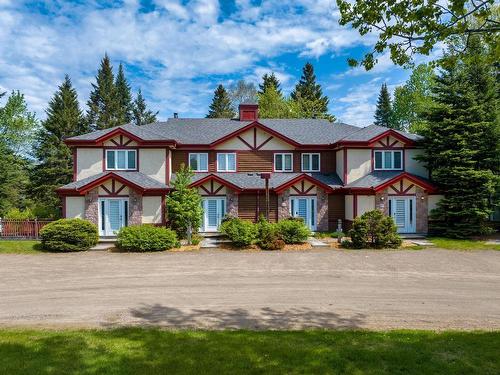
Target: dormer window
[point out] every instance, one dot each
(121, 160)
(387, 160)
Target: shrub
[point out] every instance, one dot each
(293, 230)
(374, 229)
(17, 214)
(268, 236)
(241, 232)
(69, 235)
(146, 238)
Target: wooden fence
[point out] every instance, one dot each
(22, 229)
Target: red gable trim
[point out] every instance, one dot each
(415, 179)
(121, 132)
(213, 177)
(389, 132)
(281, 188)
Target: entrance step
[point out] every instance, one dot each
(317, 243)
(412, 236)
(103, 246)
(212, 242)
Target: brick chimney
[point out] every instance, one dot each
(249, 111)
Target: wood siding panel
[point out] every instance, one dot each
(251, 205)
(255, 161)
(178, 157)
(336, 210)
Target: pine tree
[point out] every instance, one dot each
(54, 166)
(142, 115)
(270, 80)
(221, 104)
(462, 144)
(273, 105)
(103, 111)
(123, 97)
(383, 113)
(309, 96)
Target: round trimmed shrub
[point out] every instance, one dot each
(268, 236)
(374, 229)
(146, 237)
(241, 232)
(69, 235)
(293, 230)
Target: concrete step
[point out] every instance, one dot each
(317, 243)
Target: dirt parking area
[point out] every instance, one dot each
(431, 289)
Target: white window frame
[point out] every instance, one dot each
(283, 154)
(310, 154)
(392, 152)
(226, 155)
(198, 160)
(115, 168)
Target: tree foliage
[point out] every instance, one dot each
(269, 81)
(242, 92)
(221, 106)
(141, 115)
(124, 98)
(383, 112)
(406, 28)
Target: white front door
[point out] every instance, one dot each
(304, 207)
(402, 209)
(113, 214)
(214, 210)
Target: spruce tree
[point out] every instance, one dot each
(123, 97)
(54, 166)
(103, 105)
(270, 80)
(309, 96)
(221, 104)
(461, 146)
(141, 114)
(383, 113)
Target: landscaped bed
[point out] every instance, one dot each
(154, 351)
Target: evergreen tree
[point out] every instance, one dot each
(221, 104)
(273, 105)
(55, 163)
(462, 144)
(270, 80)
(123, 97)
(13, 180)
(383, 113)
(103, 111)
(141, 114)
(308, 95)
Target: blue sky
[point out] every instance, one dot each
(177, 51)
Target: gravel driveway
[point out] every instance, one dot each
(435, 289)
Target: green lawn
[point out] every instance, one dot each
(20, 247)
(153, 351)
(452, 244)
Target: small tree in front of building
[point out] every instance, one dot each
(184, 204)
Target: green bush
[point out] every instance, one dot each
(268, 236)
(293, 230)
(17, 214)
(241, 232)
(69, 235)
(374, 229)
(146, 237)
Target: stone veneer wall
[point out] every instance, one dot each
(422, 203)
(382, 204)
(92, 206)
(322, 207)
(135, 208)
(284, 204)
(232, 203)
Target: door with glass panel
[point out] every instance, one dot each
(402, 210)
(214, 210)
(305, 208)
(113, 214)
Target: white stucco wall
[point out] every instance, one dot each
(75, 207)
(152, 162)
(348, 207)
(365, 203)
(151, 209)
(413, 166)
(88, 162)
(359, 163)
(339, 164)
(432, 201)
(236, 144)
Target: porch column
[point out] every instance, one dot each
(322, 204)
(422, 202)
(232, 203)
(284, 205)
(92, 206)
(135, 208)
(382, 202)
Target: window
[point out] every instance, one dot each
(198, 162)
(388, 160)
(283, 162)
(121, 159)
(310, 162)
(226, 162)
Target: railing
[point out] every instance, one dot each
(22, 229)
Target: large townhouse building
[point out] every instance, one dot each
(320, 171)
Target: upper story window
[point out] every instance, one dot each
(198, 162)
(310, 163)
(226, 162)
(388, 160)
(121, 159)
(283, 162)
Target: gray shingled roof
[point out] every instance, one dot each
(377, 178)
(137, 178)
(367, 133)
(142, 132)
(253, 180)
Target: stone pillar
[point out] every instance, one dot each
(382, 201)
(135, 208)
(232, 203)
(284, 205)
(92, 206)
(422, 204)
(322, 207)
